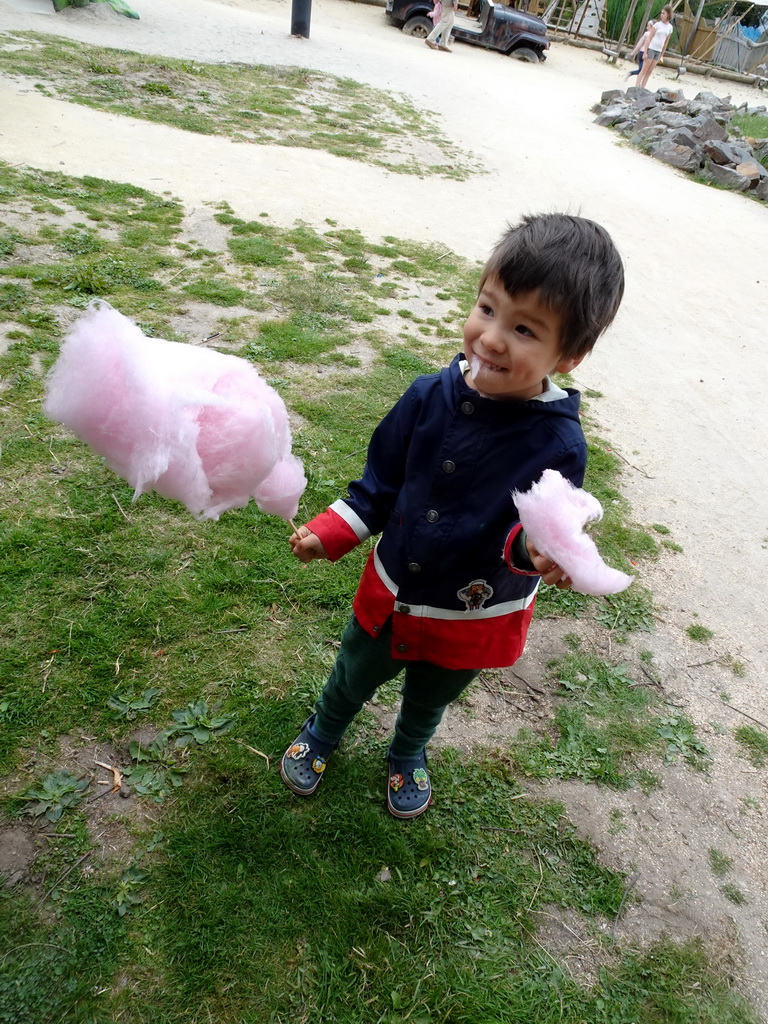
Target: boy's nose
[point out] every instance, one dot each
(493, 338)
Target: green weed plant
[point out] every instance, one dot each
(753, 744)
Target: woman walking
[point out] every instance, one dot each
(656, 45)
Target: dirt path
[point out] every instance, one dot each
(681, 371)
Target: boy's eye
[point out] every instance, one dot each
(522, 329)
(486, 309)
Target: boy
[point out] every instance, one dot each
(450, 587)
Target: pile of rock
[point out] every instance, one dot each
(693, 135)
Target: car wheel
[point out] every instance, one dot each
(526, 54)
(418, 26)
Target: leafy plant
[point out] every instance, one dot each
(194, 724)
(631, 611)
(58, 792)
(130, 707)
(155, 771)
(126, 896)
(682, 742)
(8, 706)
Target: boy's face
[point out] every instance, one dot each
(512, 343)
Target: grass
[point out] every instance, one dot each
(720, 863)
(194, 649)
(753, 743)
(604, 722)
(250, 103)
(701, 634)
(752, 125)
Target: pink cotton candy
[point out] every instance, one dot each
(192, 424)
(553, 513)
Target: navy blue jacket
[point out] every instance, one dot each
(442, 466)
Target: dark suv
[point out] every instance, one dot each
(494, 26)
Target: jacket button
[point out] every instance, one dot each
(449, 467)
(467, 408)
(405, 609)
(402, 648)
(414, 567)
(432, 516)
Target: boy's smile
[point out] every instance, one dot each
(512, 343)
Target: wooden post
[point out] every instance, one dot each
(692, 33)
(625, 29)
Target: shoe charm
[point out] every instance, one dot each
(421, 778)
(396, 782)
(318, 765)
(297, 751)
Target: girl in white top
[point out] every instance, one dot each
(639, 50)
(656, 45)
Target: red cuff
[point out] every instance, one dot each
(336, 534)
(508, 553)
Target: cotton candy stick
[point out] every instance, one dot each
(193, 424)
(553, 513)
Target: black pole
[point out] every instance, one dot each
(301, 15)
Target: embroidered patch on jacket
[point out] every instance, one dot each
(475, 594)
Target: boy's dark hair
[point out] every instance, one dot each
(574, 266)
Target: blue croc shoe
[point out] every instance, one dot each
(304, 761)
(409, 792)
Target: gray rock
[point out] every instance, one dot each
(728, 177)
(719, 152)
(645, 135)
(683, 137)
(611, 115)
(677, 156)
(710, 99)
(646, 102)
(751, 169)
(689, 135)
(710, 129)
(667, 95)
(671, 119)
(742, 154)
(695, 107)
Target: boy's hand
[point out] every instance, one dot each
(306, 545)
(550, 571)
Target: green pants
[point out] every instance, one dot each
(365, 662)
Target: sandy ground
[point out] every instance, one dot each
(681, 371)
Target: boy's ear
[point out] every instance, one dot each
(568, 365)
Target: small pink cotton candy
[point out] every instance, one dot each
(192, 424)
(553, 513)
